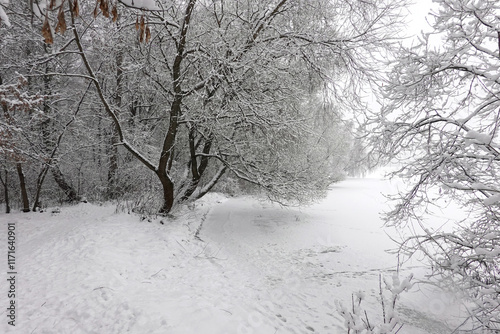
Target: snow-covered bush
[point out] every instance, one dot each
(468, 259)
(356, 319)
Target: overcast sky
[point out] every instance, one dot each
(417, 18)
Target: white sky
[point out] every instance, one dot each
(417, 20)
(417, 16)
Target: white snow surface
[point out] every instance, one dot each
(258, 268)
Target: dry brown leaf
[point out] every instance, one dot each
(142, 29)
(95, 9)
(105, 8)
(137, 23)
(114, 12)
(76, 8)
(143, 22)
(47, 31)
(148, 34)
(52, 4)
(61, 22)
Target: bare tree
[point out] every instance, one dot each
(440, 123)
(232, 75)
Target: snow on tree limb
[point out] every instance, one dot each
(440, 122)
(3, 16)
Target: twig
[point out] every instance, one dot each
(156, 273)
(381, 296)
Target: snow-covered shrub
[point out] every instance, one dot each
(143, 203)
(356, 319)
(468, 261)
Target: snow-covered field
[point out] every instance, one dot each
(256, 268)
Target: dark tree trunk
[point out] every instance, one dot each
(197, 170)
(5, 184)
(193, 185)
(22, 183)
(39, 183)
(212, 183)
(167, 152)
(168, 193)
(64, 185)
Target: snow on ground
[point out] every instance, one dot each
(256, 268)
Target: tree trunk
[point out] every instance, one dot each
(212, 182)
(196, 170)
(50, 143)
(113, 166)
(65, 186)
(168, 193)
(22, 183)
(6, 190)
(167, 152)
(115, 138)
(46, 129)
(39, 183)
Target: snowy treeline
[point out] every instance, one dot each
(179, 97)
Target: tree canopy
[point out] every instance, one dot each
(200, 92)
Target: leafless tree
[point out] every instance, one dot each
(440, 123)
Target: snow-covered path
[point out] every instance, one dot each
(299, 261)
(259, 268)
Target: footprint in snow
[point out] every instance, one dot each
(281, 317)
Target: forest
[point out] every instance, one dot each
(157, 103)
(163, 105)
